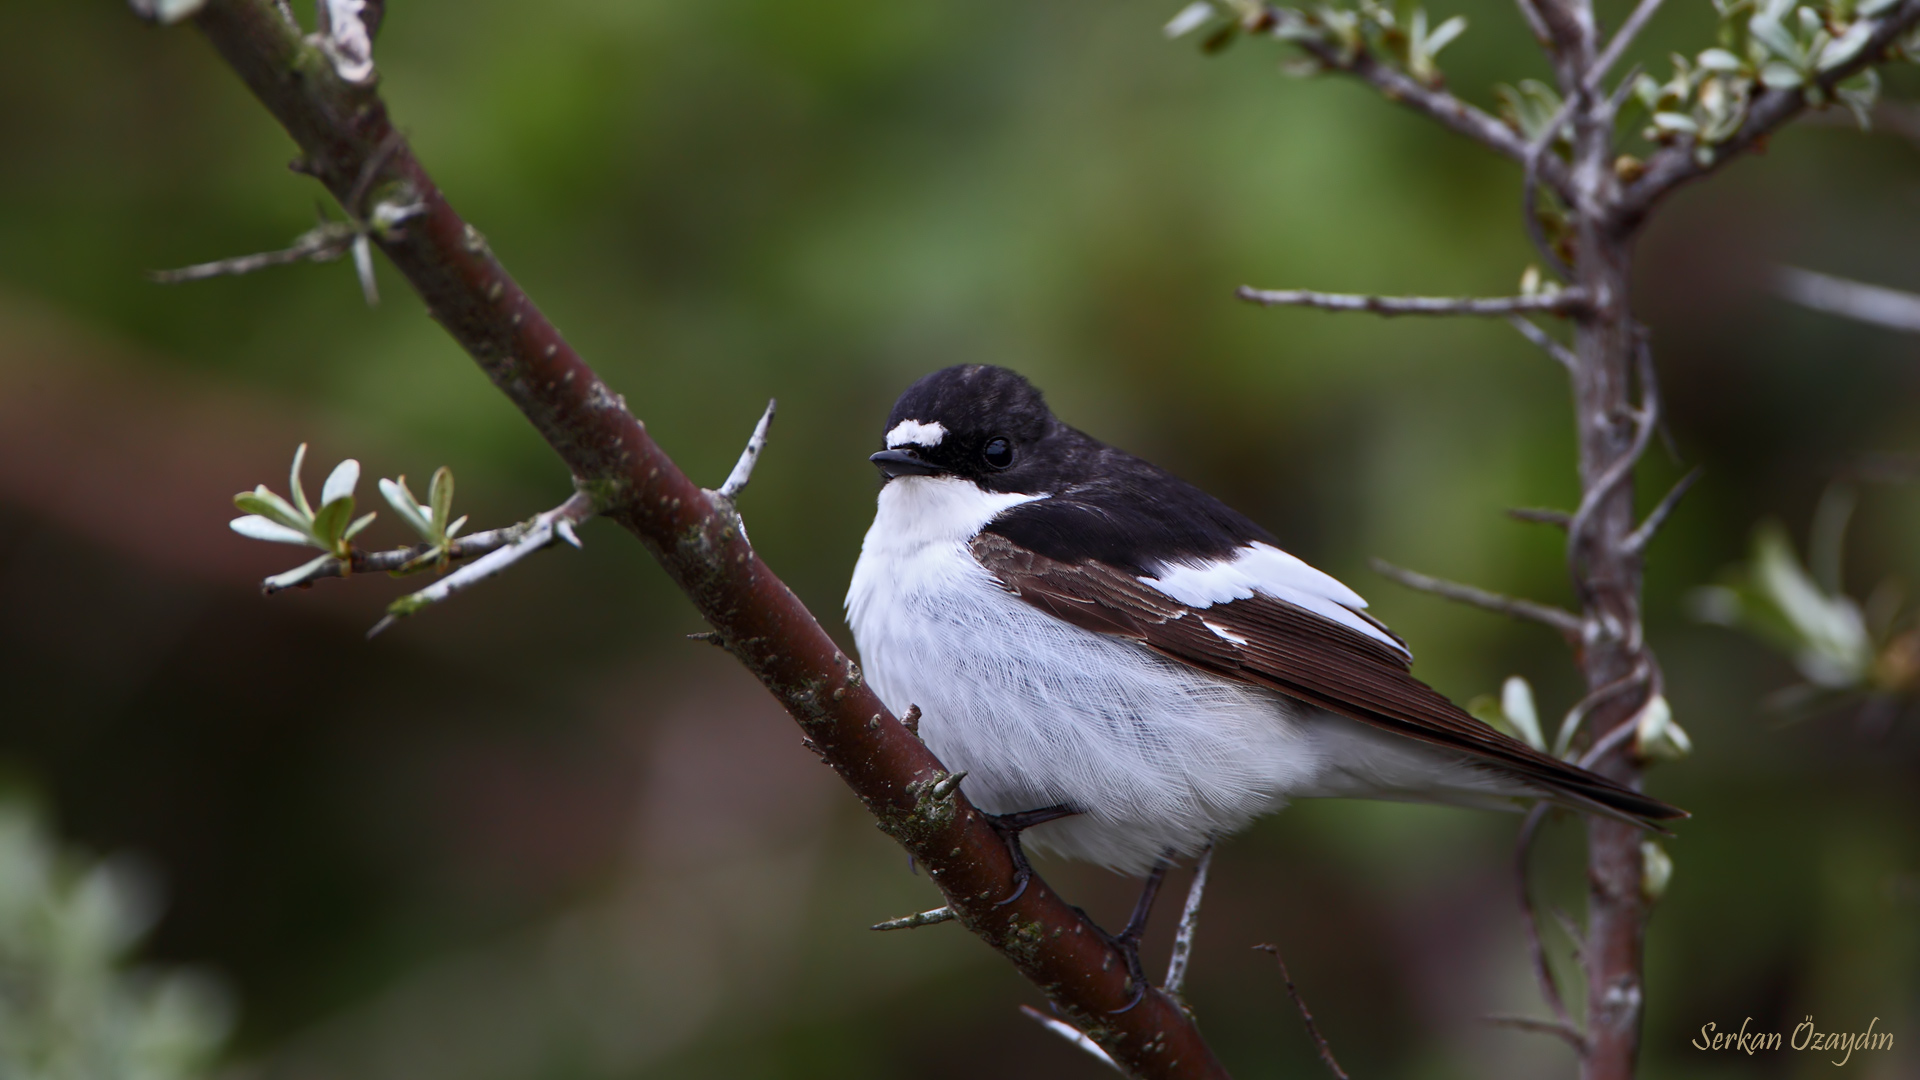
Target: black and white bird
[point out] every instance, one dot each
(1093, 639)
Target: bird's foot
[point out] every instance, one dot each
(1128, 939)
(1010, 826)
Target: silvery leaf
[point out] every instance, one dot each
(256, 527)
(340, 482)
(1191, 18)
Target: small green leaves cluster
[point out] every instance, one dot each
(1400, 33)
(1513, 712)
(432, 521)
(1764, 44)
(1841, 647)
(330, 528)
(71, 1003)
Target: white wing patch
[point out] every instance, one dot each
(1265, 569)
(915, 433)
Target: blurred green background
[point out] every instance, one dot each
(537, 834)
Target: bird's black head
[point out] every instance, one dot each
(975, 421)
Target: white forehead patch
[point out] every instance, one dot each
(913, 432)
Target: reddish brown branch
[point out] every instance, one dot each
(343, 132)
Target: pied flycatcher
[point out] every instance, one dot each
(1089, 636)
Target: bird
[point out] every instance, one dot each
(1125, 668)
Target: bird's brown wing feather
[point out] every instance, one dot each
(1272, 643)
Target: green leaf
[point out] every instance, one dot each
(330, 524)
(440, 494)
(1656, 870)
(1720, 60)
(409, 509)
(1190, 18)
(1444, 34)
(272, 507)
(341, 481)
(1655, 735)
(353, 530)
(258, 527)
(293, 480)
(1516, 702)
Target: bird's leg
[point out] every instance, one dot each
(1128, 939)
(1010, 826)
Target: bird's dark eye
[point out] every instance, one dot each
(998, 452)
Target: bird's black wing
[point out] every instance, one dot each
(1281, 646)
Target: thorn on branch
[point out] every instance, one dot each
(1558, 302)
(911, 720)
(1560, 353)
(943, 788)
(1072, 1034)
(1559, 619)
(1319, 1040)
(1189, 925)
(743, 469)
(323, 243)
(1637, 541)
(917, 920)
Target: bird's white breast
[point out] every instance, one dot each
(1157, 755)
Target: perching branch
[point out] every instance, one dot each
(1566, 622)
(1560, 302)
(343, 129)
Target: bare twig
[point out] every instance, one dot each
(556, 523)
(1560, 353)
(1559, 302)
(1642, 14)
(339, 126)
(1073, 1035)
(1189, 925)
(1536, 152)
(1857, 300)
(1562, 1023)
(1540, 516)
(324, 242)
(1646, 421)
(1570, 725)
(1559, 1029)
(1637, 541)
(1449, 111)
(1559, 619)
(743, 469)
(916, 920)
(1313, 1029)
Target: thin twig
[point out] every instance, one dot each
(1560, 353)
(916, 920)
(541, 531)
(1530, 923)
(1558, 618)
(1437, 104)
(1646, 420)
(1540, 516)
(1557, 1028)
(1536, 152)
(1189, 925)
(743, 469)
(1313, 1029)
(393, 559)
(1570, 726)
(1071, 1034)
(1560, 302)
(1642, 14)
(1857, 300)
(324, 242)
(1573, 932)
(1637, 541)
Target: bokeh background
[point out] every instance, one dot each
(538, 834)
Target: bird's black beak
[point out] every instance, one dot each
(894, 463)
